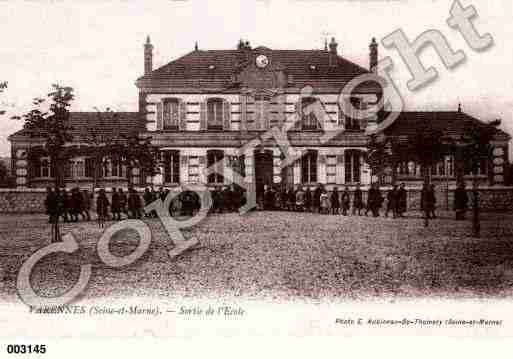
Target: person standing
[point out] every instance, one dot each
(424, 203)
(86, 205)
(371, 198)
(308, 199)
(357, 200)
(115, 204)
(147, 197)
(300, 199)
(460, 201)
(324, 202)
(291, 201)
(431, 197)
(335, 201)
(52, 206)
(316, 199)
(102, 208)
(66, 205)
(50, 198)
(134, 204)
(346, 201)
(76, 204)
(401, 201)
(392, 202)
(379, 201)
(122, 202)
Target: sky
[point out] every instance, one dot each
(96, 47)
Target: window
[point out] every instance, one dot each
(44, 170)
(213, 157)
(260, 109)
(481, 168)
(89, 167)
(352, 166)
(215, 114)
(309, 167)
(444, 167)
(349, 120)
(116, 168)
(113, 168)
(331, 169)
(237, 164)
(171, 166)
(171, 114)
(309, 122)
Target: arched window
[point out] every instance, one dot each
(309, 121)
(309, 167)
(215, 114)
(352, 162)
(213, 157)
(171, 114)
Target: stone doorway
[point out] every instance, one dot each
(263, 172)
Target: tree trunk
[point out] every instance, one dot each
(56, 231)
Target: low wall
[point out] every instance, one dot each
(496, 198)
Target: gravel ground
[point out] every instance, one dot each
(278, 255)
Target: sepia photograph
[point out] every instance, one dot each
(298, 168)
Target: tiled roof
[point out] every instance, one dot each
(100, 123)
(215, 68)
(452, 123)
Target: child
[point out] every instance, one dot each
(324, 203)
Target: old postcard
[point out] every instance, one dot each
(299, 168)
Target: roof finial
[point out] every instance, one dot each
(325, 44)
(148, 39)
(196, 46)
(459, 107)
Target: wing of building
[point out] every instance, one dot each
(229, 106)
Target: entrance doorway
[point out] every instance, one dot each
(263, 172)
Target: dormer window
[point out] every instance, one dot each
(313, 67)
(309, 121)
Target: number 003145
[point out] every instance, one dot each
(26, 349)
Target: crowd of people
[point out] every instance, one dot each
(72, 204)
(319, 200)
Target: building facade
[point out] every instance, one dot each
(222, 106)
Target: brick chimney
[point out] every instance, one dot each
(373, 56)
(148, 56)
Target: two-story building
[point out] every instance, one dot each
(208, 104)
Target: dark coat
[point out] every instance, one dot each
(102, 205)
(460, 199)
(358, 199)
(401, 199)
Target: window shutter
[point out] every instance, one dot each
(227, 115)
(281, 110)
(340, 169)
(250, 113)
(160, 116)
(182, 125)
(203, 116)
(202, 168)
(297, 125)
(184, 169)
